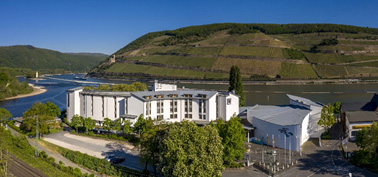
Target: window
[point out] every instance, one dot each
(92, 104)
(228, 101)
(354, 133)
(115, 107)
(188, 95)
(160, 106)
(173, 95)
(173, 116)
(103, 106)
(147, 97)
(202, 109)
(148, 108)
(160, 117)
(68, 100)
(188, 105)
(84, 106)
(126, 106)
(188, 116)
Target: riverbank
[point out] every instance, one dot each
(36, 91)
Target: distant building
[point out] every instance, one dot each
(355, 116)
(164, 102)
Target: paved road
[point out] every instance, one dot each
(316, 161)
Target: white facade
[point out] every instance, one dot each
(289, 125)
(166, 104)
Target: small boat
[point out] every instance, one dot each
(80, 78)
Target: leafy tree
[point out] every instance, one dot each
(233, 137)
(45, 123)
(236, 84)
(4, 115)
(103, 87)
(189, 150)
(108, 124)
(127, 127)
(326, 118)
(76, 122)
(337, 107)
(89, 124)
(38, 108)
(142, 125)
(117, 125)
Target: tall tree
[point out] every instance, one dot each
(189, 150)
(89, 124)
(326, 118)
(4, 115)
(233, 137)
(117, 125)
(236, 84)
(38, 108)
(45, 123)
(126, 127)
(76, 122)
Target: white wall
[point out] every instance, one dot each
(263, 128)
(135, 106)
(233, 108)
(305, 135)
(73, 103)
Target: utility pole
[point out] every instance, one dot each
(36, 137)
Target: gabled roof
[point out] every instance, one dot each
(279, 115)
(304, 101)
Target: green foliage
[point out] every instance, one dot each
(233, 137)
(189, 150)
(10, 86)
(44, 59)
(38, 108)
(326, 118)
(117, 125)
(45, 124)
(142, 125)
(108, 124)
(135, 86)
(367, 156)
(89, 124)
(337, 107)
(236, 84)
(126, 127)
(329, 42)
(242, 29)
(4, 115)
(76, 122)
(292, 54)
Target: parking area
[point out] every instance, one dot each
(99, 148)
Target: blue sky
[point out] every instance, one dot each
(106, 26)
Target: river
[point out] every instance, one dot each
(255, 94)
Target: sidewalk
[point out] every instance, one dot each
(55, 155)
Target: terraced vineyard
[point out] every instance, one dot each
(194, 53)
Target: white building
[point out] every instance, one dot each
(289, 125)
(164, 103)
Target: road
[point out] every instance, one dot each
(325, 161)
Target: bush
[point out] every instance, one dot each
(326, 136)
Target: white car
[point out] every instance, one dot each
(109, 157)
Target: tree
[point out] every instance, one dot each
(233, 137)
(89, 124)
(38, 108)
(367, 140)
(76, 122)
(108, 124)
(45, 123)
(127, 127)
(142, 125)
(117, 125)
(236, 84)
(4, 115)
(337, 107)
(326, 118)
(189, 150)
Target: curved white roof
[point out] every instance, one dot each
(280, 115)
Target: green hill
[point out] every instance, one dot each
(47, 60)
(262, 51)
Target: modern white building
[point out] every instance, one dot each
(288, 125)
(165, 102)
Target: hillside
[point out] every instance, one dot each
(46, 60)
(262, 51)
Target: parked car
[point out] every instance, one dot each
(109, 157)
(117, 160)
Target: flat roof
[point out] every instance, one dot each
(304, 100)
(361, 116)
(280, 115)
(180, 94)
(104, 93)
(74, 89)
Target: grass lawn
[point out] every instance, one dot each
(177, 60)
